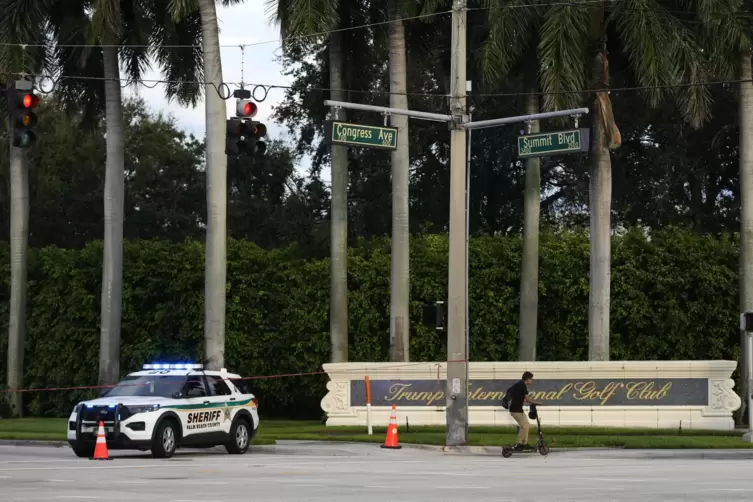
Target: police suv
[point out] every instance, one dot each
(167, 406)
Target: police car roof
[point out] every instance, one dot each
(183, 372)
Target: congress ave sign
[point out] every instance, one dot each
(344, 133)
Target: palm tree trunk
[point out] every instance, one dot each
(746, 211)
(600, 202)
(400, 276)
(216, 246)
(529, 278)
(338, 323)
(19, 243)
(112, 262)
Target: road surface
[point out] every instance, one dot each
(367, 473)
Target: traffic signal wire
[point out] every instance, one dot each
(265, 88)
(435, 367)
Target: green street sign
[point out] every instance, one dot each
(553, 143)
(343, 133)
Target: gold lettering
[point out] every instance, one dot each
(610, 390)
(396, 390)
(585, 391)
(562, 391)
(633, 389)
(475, 394)
(664, 391)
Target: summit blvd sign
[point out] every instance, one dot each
(553, 143)
(343, 133)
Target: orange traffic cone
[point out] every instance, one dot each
(100, 449)
(390, 441)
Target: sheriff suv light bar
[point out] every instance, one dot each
(173, 366)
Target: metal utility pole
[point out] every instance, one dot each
(457, 364)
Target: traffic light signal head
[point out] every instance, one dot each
(21, 103)
(245, 108)
(243, 137)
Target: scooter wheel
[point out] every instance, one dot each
(544, 450)
(506, 452)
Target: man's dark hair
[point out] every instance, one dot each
(527, 375)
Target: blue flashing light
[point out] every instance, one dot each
(173, 366)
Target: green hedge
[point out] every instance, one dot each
(674, 296)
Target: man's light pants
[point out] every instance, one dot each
(522, 420)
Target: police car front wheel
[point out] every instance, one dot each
(166, 440)
(239, 437)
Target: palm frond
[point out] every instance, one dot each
(694, 99)
(23, 22)
(563, 52)
(178, 51)
(312, 16)
(510, 32)
(107, 22)
(135, 51)
(651, 37)
(725, 28)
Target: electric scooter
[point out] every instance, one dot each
(541, 445)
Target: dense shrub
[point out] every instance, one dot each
(674, 296)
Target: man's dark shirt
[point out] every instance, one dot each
(517, 393)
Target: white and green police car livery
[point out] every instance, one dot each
(167, 406)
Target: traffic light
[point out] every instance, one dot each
(257, 130)
(235, 140)
(21, 103)
(245, 108)
(243, 134)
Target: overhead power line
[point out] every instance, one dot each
(543, 3)
(265, 88)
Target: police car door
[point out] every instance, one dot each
(195, 412)
(222, 399)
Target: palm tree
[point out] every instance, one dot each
(215, 272)
(572, 47)
(300, 19)
(400, 269)
(216, 248)
(130, 31)
(726, 32)
(20, 21)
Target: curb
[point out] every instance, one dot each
(33, 442)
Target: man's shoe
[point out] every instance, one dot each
(518, 447)
(527, 447)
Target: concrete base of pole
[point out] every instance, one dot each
(748, 437)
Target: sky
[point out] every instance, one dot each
(243, 24)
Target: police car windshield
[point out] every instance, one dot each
(149, 385)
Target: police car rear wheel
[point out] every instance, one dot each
(238, 438)
(165, 441)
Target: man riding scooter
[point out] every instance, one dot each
(518, 394)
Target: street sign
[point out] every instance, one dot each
(553, 143)
(343, 133)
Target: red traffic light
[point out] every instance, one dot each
(30, 101)
(245, 108)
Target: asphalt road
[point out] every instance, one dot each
(366, 473)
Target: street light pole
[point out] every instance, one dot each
(457, 359)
